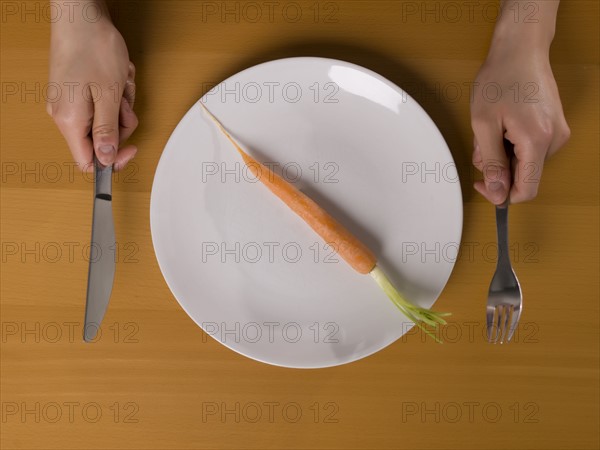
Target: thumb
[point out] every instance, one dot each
(105, 130)
(494, 165)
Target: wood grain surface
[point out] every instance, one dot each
(154, 380)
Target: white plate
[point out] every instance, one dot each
(250, 272)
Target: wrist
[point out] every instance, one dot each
(526, 25)
(76, 17)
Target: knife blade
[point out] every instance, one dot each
(101, 272)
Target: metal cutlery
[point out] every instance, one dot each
(102, 252)
(505, 300)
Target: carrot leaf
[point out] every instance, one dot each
(415, 313)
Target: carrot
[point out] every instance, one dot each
(353, 251)
(343, 242)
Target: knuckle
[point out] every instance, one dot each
(543, 135)
(564, 134)
(104, 129)
(493, 170)
(493, 164)
(479, 120)
(65, 119)
(85, 166)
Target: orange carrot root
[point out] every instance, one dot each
(352, 250)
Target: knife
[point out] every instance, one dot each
(102, 252)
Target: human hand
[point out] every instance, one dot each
(516, 97)
(90, 63)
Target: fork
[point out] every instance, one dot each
(505, 300)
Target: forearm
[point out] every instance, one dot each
(73, 17)
(531, 24)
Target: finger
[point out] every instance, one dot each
(131, 71)
(527, 172)
(128, 121)
(124, 155)
(477, 158)
(561, 137)
(75, 124)
(129, 92)
(494, 162)
(81, 148)
(129, 88)
(105, 128)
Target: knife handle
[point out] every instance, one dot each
(103, 180)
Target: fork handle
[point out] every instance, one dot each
(502, 230)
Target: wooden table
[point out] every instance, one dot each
(155, 381)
